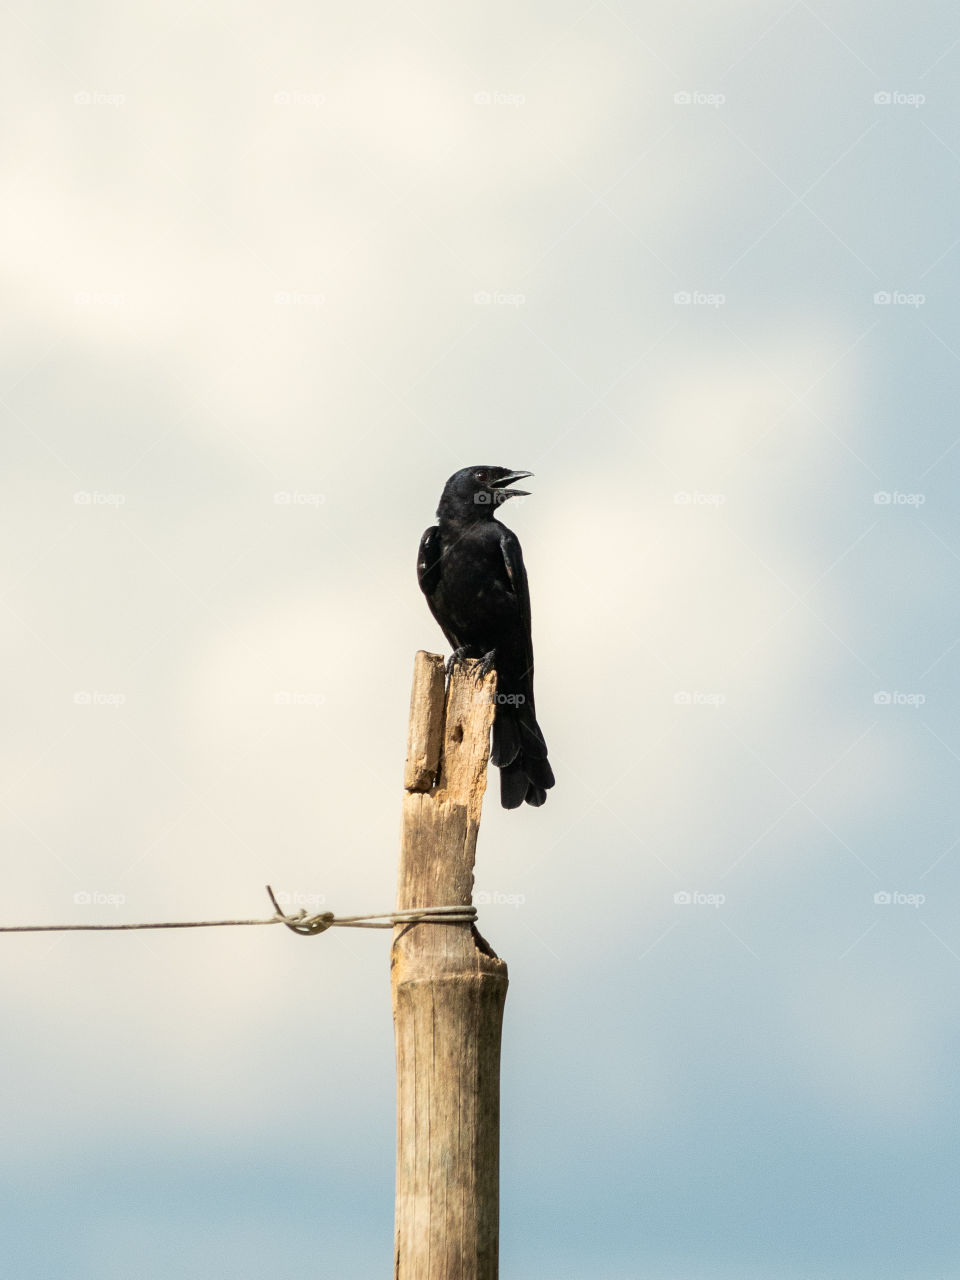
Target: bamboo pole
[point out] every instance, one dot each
(449, 989)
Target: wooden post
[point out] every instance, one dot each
(448, 994)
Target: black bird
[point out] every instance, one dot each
(470, 568)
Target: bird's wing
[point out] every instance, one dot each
(428, 575)
(428, 561)
(517, 577)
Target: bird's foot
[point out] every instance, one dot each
(458, 655)
(486, 665)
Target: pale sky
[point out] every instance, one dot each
(271, 274)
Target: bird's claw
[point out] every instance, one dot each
(455, 657)
(485, 665)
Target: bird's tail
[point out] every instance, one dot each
(520, 752)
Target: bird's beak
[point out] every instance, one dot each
(511, 478)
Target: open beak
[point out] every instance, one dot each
(511, 477)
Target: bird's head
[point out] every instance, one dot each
(474, 493)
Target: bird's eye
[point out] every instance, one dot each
(481, 476)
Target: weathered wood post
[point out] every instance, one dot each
(448, 994)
